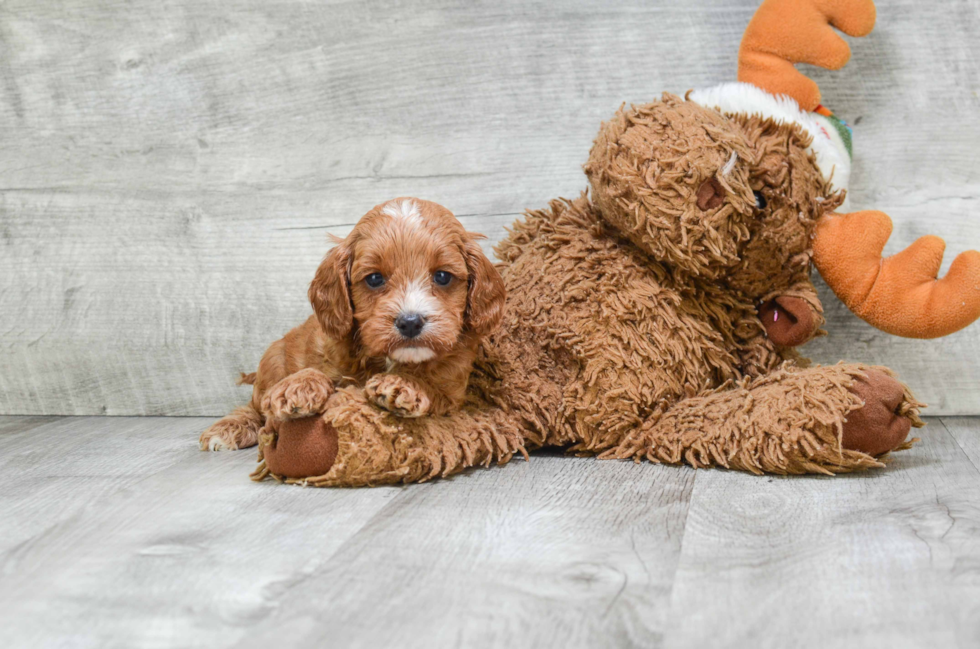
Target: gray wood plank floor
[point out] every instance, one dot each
(117, 532)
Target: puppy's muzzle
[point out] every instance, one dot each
(409, 325)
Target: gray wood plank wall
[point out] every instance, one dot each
(169, 170)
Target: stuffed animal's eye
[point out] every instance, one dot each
(442, 278)
(375, 280)
(760, 200)
(710, 195)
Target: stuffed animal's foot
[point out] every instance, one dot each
(398, 395)
(300, 448)
(298, 395)
(882, 424)
(240, 429)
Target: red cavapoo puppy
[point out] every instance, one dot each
(399, 307)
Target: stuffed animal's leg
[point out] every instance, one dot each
(819, 420)
(355, 443)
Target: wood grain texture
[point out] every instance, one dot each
(556, 552)
(880, 559)
(964, 431)
(118, 532)
(170, 169)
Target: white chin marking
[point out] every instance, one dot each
(412, 354)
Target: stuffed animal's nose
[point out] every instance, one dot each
(409, 324)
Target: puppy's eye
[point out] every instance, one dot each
(442, 278)
(375, 280)
(760, 201)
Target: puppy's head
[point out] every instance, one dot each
(407, 283)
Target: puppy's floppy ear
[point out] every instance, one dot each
(330, 291)
(486, 293)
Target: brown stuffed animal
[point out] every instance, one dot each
(656, 318)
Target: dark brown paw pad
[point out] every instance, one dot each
(877, 427)
(303, 448)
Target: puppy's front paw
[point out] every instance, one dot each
(298, 395)
(232, 432)
(398, 395)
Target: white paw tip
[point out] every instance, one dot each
(218, 444)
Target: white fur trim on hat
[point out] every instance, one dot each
(827, 146)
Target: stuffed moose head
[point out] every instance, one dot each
(656, 318)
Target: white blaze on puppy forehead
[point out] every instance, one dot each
(406, 210)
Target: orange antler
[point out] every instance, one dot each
(784, 32)
(900, 294)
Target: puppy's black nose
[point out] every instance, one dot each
(409, 324)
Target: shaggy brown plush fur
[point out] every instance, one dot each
(375, 447)
(632, 325)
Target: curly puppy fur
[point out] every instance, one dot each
(632, 326)
(400, 307)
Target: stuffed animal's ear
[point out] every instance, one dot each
(486, 293)
(330, 292)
